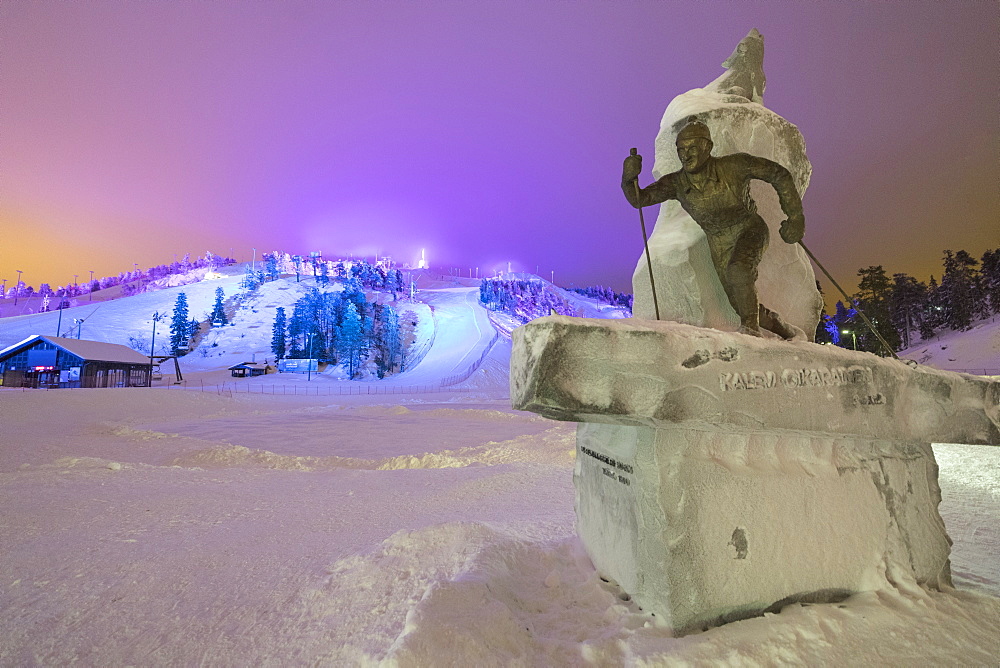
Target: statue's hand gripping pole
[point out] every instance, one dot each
(645, 243)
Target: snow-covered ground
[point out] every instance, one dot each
(172, 526)
(974, 351)
(185, 527)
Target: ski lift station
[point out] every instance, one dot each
(54, 362)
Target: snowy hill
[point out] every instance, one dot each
(974, 351)
(454, 336)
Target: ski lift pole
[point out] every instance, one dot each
(860, 312)
(645, 243)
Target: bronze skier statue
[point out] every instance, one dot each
(715, 191)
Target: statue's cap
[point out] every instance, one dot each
(694, 129)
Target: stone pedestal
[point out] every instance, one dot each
(705, 526)
(720, 475)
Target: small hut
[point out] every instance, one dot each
(250, 369)
(55, 361)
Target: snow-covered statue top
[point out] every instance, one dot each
(709, 251)
(745, 76)
(715, 191)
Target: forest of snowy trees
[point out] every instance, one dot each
(606, 295)
(905, 310)
(343, 327)
(523, 299)
(368, 275)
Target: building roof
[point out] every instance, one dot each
(97, 351)
(248, 365)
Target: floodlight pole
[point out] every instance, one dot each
(309, 362)
(854, 336)
(17, 286)
(152, 345)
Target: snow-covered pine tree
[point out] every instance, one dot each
(934, 313)
(990, 272)
(180, 329)
(389, 343)
(271, 265)
(959, 284)
(873, 297)
(350, 338)
(906, 305)
(218, 310)
(397, 283)
(278, 341)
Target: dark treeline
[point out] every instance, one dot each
(905, 310)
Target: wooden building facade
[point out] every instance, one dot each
(53, 362)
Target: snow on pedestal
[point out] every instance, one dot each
(687, 286)
(719, 476)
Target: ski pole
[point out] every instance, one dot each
(860, 312)
(645, 243)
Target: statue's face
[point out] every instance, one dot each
(693, 153)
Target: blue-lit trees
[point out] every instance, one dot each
(388, 343)
(349, 338)
(218, 316)
(271, 266)
(525, 300)
(279, 343)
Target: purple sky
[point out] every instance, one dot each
(481, 131)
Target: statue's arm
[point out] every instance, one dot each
(783, 183)
(656, 192)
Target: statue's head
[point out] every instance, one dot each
(694, 145)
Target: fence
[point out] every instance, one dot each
(324, 390)
(459, 377)
(310, 389)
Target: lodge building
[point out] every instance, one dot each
(54, 361)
